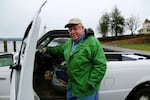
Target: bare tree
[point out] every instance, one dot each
(132, 23)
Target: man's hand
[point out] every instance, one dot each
(43, 50)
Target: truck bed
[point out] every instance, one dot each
(123, 56)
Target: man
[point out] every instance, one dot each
(86, 63)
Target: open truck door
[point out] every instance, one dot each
(21, 76)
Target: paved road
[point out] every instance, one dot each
(118, 49)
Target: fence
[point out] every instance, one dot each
(10, 45)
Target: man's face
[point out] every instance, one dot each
(75, 31)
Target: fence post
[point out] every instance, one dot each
(5, 45)
(14, 46)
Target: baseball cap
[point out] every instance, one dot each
(73, 21)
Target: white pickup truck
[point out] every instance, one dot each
(127, 76)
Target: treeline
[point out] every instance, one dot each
(115, 24)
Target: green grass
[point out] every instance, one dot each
(145, 47)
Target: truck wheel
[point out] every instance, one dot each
(143, 94)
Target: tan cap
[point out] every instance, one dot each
(73, 21)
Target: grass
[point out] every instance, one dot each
(145, 47)
(140, 42)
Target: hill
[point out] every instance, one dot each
(138, 42)
(135, 39)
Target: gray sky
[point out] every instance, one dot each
(15, 15)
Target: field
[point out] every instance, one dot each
(135, 42)
(145, 47)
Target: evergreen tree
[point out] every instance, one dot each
(117, 22)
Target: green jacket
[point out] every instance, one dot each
(86, 66)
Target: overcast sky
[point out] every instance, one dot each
(15, 15)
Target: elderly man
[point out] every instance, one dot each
(86, 63)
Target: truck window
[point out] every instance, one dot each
(44, 43)
(57, 41)
(6, 60)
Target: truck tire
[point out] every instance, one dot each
(142, 94)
